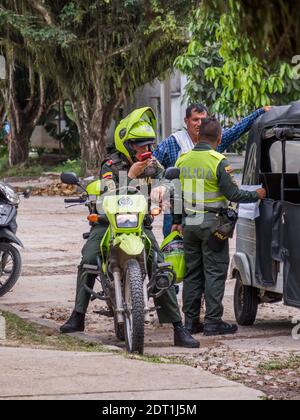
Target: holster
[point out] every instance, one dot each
(222, 229)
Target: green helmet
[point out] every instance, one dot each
(173, 251)
(139, 127)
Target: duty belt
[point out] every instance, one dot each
(215, 210)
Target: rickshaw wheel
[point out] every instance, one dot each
(245, 302)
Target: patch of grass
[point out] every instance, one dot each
(264, 398)
(166, 360)
(70, 166)
(24, 333)
(234, 377)
(35, 167)
(32, 168)
(292, 363)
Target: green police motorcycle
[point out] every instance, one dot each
(126, 277)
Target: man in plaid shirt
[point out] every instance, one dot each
(169, 150)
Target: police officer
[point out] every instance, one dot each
(134, 137)
(207, 266)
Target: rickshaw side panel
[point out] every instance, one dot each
(245, 259)
(268, 243)
(291, 241)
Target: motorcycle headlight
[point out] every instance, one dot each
(9, 194)
(127, 220)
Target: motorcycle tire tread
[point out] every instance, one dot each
(136, 285)
(17, 264)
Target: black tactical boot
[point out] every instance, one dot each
(74, 323)
(182, 338)
(194, 326)
(219, 328)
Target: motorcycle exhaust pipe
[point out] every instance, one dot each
(118, 293)
(164, 281)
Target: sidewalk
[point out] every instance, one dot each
(45, 293)
(44, 374)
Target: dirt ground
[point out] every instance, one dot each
(265, 356)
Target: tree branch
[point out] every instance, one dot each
(282, 43)
(42, 11)
(31, 79)
(41, 106)
(2, 113)
(12, 106)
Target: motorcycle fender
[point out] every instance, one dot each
(8, 236)
(104, 247)
(130, 244)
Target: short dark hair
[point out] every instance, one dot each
(210, 129)
(195, 107)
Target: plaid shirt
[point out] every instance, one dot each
(167, 151)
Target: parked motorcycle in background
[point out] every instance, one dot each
(10, 258)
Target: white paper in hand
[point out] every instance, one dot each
(249, 211)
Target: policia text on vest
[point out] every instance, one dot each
(199, 181)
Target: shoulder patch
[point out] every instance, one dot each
(229, 169)
(107, 175)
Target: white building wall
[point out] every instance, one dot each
(41, 138)
(156, 96)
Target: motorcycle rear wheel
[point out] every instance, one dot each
(134, 313)
(10, 267)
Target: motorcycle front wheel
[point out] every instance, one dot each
(134, 308)
(10, 267)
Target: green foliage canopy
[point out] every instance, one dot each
(107, 44)
(273, 26)
(223, 72)
(98, 52)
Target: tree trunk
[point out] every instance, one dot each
(25, 100)
(18, 144)
(90, 154)
(92, 128)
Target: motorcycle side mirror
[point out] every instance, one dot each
(27, 192)
(69, 178)
(172, 173)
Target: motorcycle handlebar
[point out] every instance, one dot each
(73, 200)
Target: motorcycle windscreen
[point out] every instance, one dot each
(268, 247)
(291, 238)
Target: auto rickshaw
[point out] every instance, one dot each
(266, 264)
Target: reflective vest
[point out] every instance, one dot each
(199, 180)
